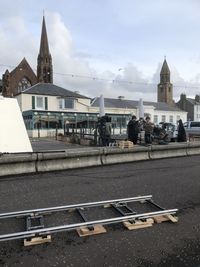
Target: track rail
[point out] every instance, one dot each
(73, 206)
(69, 227)
(41, 231)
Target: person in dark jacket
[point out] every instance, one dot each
(181, 132)
(133, 130)
(148, 128)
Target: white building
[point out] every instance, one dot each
(48, 108)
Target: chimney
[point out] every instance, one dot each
(197, 98)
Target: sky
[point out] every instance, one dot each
(110, 47)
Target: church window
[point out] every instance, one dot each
(23, 84)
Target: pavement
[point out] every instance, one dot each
(174, 183)
(45, 144)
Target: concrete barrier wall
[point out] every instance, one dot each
(12, 164)
(21, 163)
(111, 156)
(68, 160)
(193, 148)
(167, 151)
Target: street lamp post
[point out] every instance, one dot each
(75, 114)
(38, 123)
(63, 123)
(87, 115)
(48, 114)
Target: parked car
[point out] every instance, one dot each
(171, 130)
(192, 128)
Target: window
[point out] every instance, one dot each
(69, 103)
(39, 102)
(178, 117)
(66, 103)
(195, 124)
(23, 84)
(171, 118)
(155, 119)
(163, 118)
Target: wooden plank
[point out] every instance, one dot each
(138, 224)
(165, 218)
(37, 240)
(84, 231)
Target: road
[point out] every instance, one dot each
(174, 183)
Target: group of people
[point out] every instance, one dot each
(135, 127)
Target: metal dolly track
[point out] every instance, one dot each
(73, 206)
(34, 232)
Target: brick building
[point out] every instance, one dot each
(23, 76)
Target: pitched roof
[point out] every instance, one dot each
(52, 90)
(22, 66)
(130, 104)
(193, 101)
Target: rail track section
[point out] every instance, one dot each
(134, 212)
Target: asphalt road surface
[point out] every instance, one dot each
(174, 183)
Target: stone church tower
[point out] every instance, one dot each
(165, 87)
(23, 76)
(44, 60)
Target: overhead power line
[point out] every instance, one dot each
(94, 78)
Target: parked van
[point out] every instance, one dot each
(192, 127)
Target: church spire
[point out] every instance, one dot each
(44, 66)
(165, 88)
(165, 72)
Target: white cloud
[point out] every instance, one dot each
(76, 70)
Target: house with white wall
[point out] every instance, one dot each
(47, 108)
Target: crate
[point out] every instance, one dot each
(125, 144)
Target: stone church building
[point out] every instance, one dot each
(23, 76)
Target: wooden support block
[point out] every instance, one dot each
(107, 206)
(37, 240)
(126, 144)
(71, 210)
(165, 218)
(84, 231)
(138, 224)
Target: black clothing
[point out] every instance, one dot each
(133, 130)
(181, 132)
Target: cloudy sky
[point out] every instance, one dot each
(109, 47)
